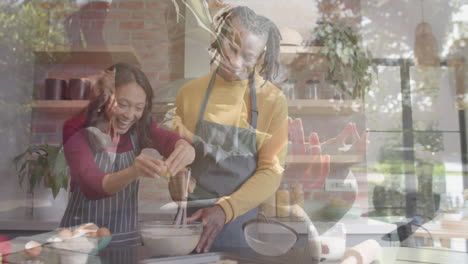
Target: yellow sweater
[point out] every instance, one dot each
(229, 104)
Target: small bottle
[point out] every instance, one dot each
(297, 200)
(268, 207)
(283, 201)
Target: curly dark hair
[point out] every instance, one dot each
(116, 76)
(258, 25)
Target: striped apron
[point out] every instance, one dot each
(119, 212)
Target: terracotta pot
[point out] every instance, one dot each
(55, 89)
(79, 89)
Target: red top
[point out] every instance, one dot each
(84, 170)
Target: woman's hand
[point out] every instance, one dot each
(183, 155)
(145, 166)
(212, 219)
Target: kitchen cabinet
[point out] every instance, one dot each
(68, 107)
(87, 56)
(305, 160)
(323, 107)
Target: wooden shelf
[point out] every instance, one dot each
(301, 49)
(334, 159)
(323, 107)
(59, 104)
(92, 55)
(66, 107)
(76, 105)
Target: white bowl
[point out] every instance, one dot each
(165, 239)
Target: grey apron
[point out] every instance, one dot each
(225, 157)
(119, 212)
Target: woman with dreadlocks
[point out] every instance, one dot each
(237, 121)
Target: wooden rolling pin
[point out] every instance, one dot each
(363, 253)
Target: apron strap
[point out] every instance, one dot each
(253, 102)
(253, 99)
(135, 142)
(207, 95)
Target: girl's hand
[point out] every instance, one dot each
(183, 155)
(145, 166)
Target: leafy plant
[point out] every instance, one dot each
(29, 26)
(43, 163)
(430, 141)
(349, 63)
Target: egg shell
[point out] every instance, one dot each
(33, 249)
(65, 233)
(92, 234)
(103, 232)
(89, 226)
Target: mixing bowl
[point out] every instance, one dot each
(269, 237)
(164, 238)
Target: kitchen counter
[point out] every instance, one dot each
(357, 229)
(354, 226)
(30, 224)
(140, 255)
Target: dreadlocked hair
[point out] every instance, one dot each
(258, 25)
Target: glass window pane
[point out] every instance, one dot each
(383, 101)
(433, 99)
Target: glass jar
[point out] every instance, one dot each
(326, 91)
(311, 89)
(289, 89)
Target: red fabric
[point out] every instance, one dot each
(84, 171)
(5, 248)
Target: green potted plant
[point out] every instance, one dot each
(349, 64)
(43, 163)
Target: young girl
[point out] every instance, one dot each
(102, 147)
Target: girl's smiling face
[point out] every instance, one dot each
(130, 103)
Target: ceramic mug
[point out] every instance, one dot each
(55, 89)
(78, 89)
